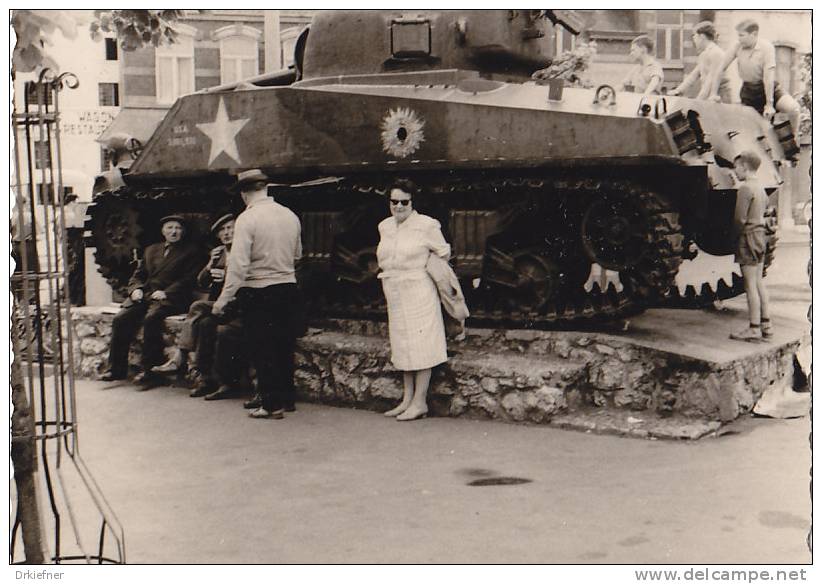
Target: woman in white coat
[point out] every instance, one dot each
(415, 325)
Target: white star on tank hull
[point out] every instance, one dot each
(223, 134)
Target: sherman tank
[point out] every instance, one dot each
(560, 203)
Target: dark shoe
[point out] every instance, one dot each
(750, 334)
(200, 391)
(222, 392)
(109, 376)
(145, 381)
(254, 403)
(290, 407)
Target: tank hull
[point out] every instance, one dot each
(339, 128)
(560, 203)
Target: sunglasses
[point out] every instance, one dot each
(402, 202)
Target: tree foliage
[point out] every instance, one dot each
(133, 28)
(136, 28)
(805, 95)
(34, 29)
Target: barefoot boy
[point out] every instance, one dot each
(749, 223)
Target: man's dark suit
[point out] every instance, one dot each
(174, 273)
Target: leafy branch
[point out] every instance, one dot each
(570, 65)
(136, 28)
(34, 29)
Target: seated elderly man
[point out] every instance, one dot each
(217, 342)
(160, 286)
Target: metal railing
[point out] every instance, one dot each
(53, 490)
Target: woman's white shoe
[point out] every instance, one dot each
(397, 411)
(413, 413)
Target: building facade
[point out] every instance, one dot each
(212, 48)
(613, 30)
(84, 111)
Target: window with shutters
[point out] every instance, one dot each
(784, 67)
(288, 43)
(37, 93)
(175, 69)
(239, 52)
(42, 154)
(670, 36)
(563, 40)
(44, 194)
(105, 159)
(109, 94)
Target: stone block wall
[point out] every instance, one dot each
(518, 376)
(92, 337)
(525, 375)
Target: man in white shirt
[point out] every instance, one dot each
(261, 275)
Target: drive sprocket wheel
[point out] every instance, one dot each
(707, 278)
(116, 232)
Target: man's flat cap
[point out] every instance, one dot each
(221, 221)
(178, 218)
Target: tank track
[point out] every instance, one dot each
(139, 211)
(646, 282)
(649, 281)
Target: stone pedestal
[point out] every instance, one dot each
(583, 380)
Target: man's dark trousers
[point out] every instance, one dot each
(269, 321)
(124, 328)
(230, 361)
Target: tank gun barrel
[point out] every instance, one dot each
(271, 79)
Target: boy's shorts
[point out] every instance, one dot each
(750, 249)
(753, 94)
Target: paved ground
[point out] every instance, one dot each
(199, 482)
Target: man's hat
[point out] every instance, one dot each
(178, 218)
(221, 221)
(248, 176)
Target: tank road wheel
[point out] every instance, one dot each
(537, 282)
(357, 272)
(522, 281)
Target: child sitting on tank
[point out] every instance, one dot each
(751, 233)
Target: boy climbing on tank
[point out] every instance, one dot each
(647, 76)
(749, 226)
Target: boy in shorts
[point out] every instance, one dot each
(749, 224)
